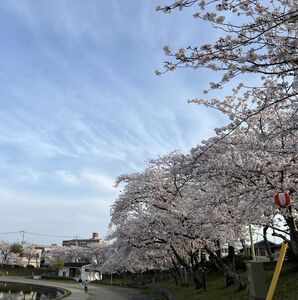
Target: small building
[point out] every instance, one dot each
(91, 273)
(83, 242)
(224, 250)
(261, 250)
(34, 259)
(83, 271)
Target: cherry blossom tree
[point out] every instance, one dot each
(14, 259)
(4, 252)
(29, 253)
(7, 256)
(69, 254)
(183, 204)
(258, 38)
(249, 166)
(208, 197)
(96, 253)
(165, 206)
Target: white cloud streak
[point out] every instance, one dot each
(80, 105)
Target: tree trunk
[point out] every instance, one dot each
(227, 271)
(195, 270)
(244, 247)
(231, 265)
(293, 243)
(185, 277)
(186, 268)
(218, 251)
(174, 274)
(181, 280)
(269, 252)
(203, 266)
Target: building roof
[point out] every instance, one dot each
(83, 242)
(262, 245)
(76, 264)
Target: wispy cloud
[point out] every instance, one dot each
(67, 177)
(97, 180)
(80, 104)
(100, 181)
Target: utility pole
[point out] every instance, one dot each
(252, 245)
(23, 238)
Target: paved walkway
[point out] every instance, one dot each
(95, 292)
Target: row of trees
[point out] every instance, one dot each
(18, 255)
(182, 204)
(185, 205)
(93, 254)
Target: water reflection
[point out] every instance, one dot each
(17, 291)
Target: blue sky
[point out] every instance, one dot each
(80, 105)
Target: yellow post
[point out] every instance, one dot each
(277, 270)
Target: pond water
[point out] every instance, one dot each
(20, 291)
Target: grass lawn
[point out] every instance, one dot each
(215, 290)
(287, 288)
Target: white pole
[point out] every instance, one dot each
(252, 246)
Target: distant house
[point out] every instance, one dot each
(91, 273)
(33, 258)
(84, 271)
(83, 242)
(261, 250)
(46, 257)
(224, 250)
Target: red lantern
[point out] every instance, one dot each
(282, 200)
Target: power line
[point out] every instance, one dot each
(50, 235)
(38, 234)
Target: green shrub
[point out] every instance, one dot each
(21, 271)
(57, 264)
(16, 248)
(30, 267)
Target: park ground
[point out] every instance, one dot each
(287, 287)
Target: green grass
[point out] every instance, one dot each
(18, 271)
(215, 290)
(157, 295)
(287, 287)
